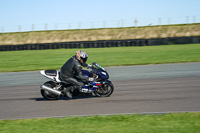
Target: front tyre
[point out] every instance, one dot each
(105, 90)
(48, 95)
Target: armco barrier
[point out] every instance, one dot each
(103, 43)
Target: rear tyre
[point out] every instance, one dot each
(48, 95)
(105, 90)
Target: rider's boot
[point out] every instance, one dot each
(68, 92)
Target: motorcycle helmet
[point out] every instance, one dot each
(81, 56)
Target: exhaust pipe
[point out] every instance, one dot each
(46, 88)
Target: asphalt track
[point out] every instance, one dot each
(138, 89)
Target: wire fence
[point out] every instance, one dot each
(135, 22)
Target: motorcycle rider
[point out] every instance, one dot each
(72, 70)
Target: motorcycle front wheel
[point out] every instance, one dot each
(105, 90)
(48, 95)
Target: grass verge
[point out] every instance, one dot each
(118, 56)
(168, 123)
(144, 32)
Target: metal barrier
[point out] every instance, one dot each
(103, 43)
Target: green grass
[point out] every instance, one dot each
(168, 123)
(120, 56)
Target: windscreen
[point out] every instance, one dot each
(98, 66)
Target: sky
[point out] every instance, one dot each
(21, 15)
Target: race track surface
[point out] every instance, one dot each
(138, 89)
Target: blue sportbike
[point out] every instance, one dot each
(101, 87)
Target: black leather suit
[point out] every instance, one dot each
(71, 71)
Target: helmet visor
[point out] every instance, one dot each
(84, 59)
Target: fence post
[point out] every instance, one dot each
(169, 21)
(19, 28)
(159, 21)
(135, 22)
(104, 24)
(122, 23)
(118, 23)
(187, 19)
(2, 29)
(45, 26)
(194, 19)
(92, 24)
(79, 25)
(56, 26)
(33, 27)
(69, 25)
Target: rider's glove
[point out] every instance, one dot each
(90, 66)
(91, 79)
(96, 77)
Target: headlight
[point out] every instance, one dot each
(103, 73)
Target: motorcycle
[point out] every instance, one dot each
(54, 89)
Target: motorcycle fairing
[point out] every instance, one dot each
(51, 74)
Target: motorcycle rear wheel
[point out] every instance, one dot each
(105, 90)
(48, 95)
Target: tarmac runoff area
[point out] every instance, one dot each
(143, 89)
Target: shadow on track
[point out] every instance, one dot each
(82, 96)
(14, 99)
